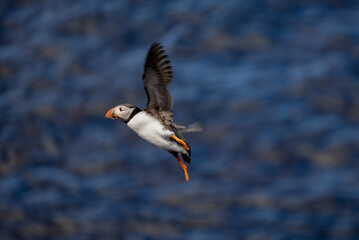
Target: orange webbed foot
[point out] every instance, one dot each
(180, 142)
(183, 167)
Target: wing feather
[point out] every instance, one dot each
(156, 77)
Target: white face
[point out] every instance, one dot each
(122, 112)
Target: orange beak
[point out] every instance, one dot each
(109, 113)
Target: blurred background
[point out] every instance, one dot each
(275, 84)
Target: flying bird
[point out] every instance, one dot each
(155, 123)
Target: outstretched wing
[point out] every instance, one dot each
(157, 74)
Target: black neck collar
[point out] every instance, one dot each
(134, 112)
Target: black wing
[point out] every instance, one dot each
(157, 74)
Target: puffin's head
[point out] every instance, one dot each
(121, 112)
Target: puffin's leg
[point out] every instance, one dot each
(183, 167)
(180, 141)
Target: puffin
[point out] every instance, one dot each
(155, 123)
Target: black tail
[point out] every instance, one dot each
(187, 158)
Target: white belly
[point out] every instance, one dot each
(150, 129)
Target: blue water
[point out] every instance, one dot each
(274, 83)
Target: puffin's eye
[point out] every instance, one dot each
(121, 109)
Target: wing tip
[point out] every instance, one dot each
(156, 46)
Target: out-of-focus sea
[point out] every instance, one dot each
(275, 84)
